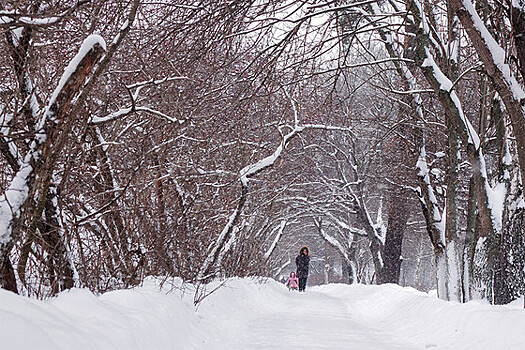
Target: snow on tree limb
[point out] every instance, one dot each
(276, 239)
(252, 169)
(344, 225)
(268, 161)
(446, 85)
(228, 245)
(244, 175)
(13, 19)
(71, 79)
(494, 59)
(429, 201)
(212, 256)
(379, 226)
(18, 190)
(123, 112)
(331, 240)
(12, 201)
(495, 51)
(104, 61)
(112, 116)
(454, 110)
(142, 84)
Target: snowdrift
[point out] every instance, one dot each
(163, 317)
(433, 323)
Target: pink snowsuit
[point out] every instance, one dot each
(292, 282)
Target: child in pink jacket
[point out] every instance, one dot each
(292, 283)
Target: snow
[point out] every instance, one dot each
(252, 169)
(257, 314)
(446, 85)
(453, 269)
(39, 21)
(497, 203)
(13, 199)
(86, 46)
(209, 261)
(7, 17)
(423, 172)
(276, 239)
(112, 116)
(334, 242)
(228, 245)
(497, 53)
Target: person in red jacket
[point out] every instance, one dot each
(292, 283)
(302, 261)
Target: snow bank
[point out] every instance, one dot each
(144, 318)
(431, 322)
(256, 314)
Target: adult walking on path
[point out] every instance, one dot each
(302, 261)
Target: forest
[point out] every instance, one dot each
(205, 139)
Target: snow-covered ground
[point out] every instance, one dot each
(257, 314)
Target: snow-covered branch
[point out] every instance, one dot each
(12, 201)
(276, 239)
(138, 87)
(18, 190)
(431, 209)
(454, 110)
(12, 19)
(93, 45)
(252, 169)
(331, 240)
(205, 270)
(494, 59)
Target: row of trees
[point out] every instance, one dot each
(204, 138)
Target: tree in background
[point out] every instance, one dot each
(207, 137)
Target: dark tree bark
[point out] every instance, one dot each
(502, 291)
(60, 266)
(347, 271)
(7, 274)
(471, 239)
(517, 16)
(397, 221)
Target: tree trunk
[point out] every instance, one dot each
(471, 239)
(7, 274)
(397, 221)
(517, 16)
(61, 268)
(505, 83)
(452, 274)
(502, 243)
(38, 166)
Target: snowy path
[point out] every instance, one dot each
(316, 321)
(251, 314)
(312, 320)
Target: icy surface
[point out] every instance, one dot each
(258, 314)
